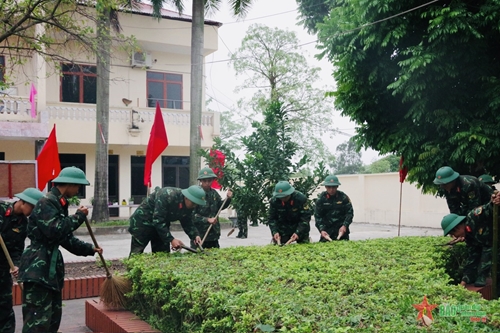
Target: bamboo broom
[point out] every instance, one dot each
(210, 227)
(9, 259)
(114, 288)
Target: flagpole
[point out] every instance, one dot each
(400, 201)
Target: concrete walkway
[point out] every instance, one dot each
(118, 246)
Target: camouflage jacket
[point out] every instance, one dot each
(13, 231)
(332, 212)
(293, 216)
(479, 240)
(49, 227)
(201, 213)
(161, 207)
(469, 194)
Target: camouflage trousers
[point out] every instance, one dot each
(142, 238)
(242, 226)
(42, 309)
(7, 318)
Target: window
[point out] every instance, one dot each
(79, 83)
(76, 160)
(175, 170)
(2, 68)
(2, 156)
(165, 88)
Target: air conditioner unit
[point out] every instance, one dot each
(141, 59)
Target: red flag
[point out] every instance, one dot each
(216, 165)
(402, 171)
(158, 141)
(48, 161)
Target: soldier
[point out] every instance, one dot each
(463, 193)
(151, 220)
(42, 265)
(289, 215)
(488, 180)
(205, 215)
(477, 230)
(242, 225)
(333, 213)
(13, 224)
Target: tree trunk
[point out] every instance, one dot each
(197, 45)
(100, 211)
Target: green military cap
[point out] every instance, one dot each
(195, 194)
(487, 179)
(206, 173)
(450, 221)
(445, 175)
(331, 180)
(71, 175)
(282, 189)
(30, 195)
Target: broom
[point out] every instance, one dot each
(210, 227)
(7, 255)
(114, 288)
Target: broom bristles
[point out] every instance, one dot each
(113, 292)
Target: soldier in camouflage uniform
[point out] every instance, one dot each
(151, 220)
(488, 180)
(13, 223)
(242, 225)
(333, 213)
(42, 265)
(463, 193)
(476, 229)
(205, 215)
(289, 215)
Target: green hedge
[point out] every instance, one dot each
(356, 286)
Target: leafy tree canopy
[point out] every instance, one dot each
(348, 159)
(269, 155)
(278, 72)
(386, 164)
(422, 83)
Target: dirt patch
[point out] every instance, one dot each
(90, 268)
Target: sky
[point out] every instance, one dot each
(221, 79)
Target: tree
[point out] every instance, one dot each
(239, 8)
(63, 21)
(279, 73)
(386, 164)
(413, 89)
(348, 160)
(232, 127)
(269, 155)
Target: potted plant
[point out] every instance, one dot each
(74, 201)
(131, 200)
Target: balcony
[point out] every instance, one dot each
(76, 123)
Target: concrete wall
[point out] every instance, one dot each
(376, 199)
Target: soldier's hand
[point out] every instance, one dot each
(229, 194)
(176, 244)
(293, 238)
(458, 239)
(197, 240)
(15, 272)
(211, 220)
(495, 198)
(84, 210)
(463, 283)
(98, 250)
(325, 235)
(277, 237)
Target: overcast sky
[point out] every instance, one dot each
(282, 14)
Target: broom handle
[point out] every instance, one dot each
(494, 268)
(6, 252)
(216, 216)
(108, 274)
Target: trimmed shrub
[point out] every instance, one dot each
(357, 286)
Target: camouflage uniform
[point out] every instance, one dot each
(151, 220)
(201, 213)
(242, 225)
(42, 265)
(293, 216)
(13, 231)
(467, 195)
(479, 240)
(332, 212)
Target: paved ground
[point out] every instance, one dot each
(118, 246)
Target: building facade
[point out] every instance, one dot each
(159, 70)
